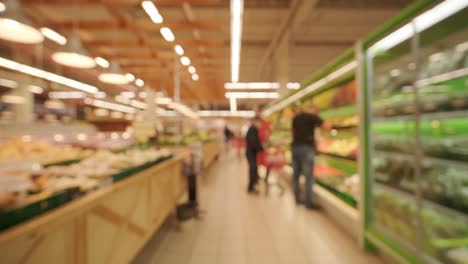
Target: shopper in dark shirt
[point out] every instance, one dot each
(303, 151)
(253, 147)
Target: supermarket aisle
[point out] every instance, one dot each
(244, 229)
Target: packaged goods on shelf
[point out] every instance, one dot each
(341, 147)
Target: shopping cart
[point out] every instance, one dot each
(273, 159)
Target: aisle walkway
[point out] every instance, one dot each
(243, 229)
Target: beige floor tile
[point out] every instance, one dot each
(241, 229)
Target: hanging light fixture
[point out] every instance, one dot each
(114, 76)
(73, 55)
(14, 26)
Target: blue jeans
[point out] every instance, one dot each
(303, 164)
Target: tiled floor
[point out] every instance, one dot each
(243, 229)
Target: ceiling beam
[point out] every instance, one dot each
(121, 2)
(287, 24)
(144, 24)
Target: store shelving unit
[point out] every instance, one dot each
(415, 103)
(333, 91)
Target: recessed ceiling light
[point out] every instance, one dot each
(139, 82)
(195, 77)
(54, 36)
(130, 77)
(185, 61)
(167, 34)
(179, 50)
(102, 62)
(72, 55)
(152, 12)
(192, 69)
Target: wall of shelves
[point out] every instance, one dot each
(418, 136)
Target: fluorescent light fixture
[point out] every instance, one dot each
(2, 7)
(152, 12)
(208, 113)
(438, 13)
(102, 62)
(130, 77)
(293, 86)
(311, 88)
(163, 100)
(179, 50)
(443, 77)
(233, 104)
(54, 36)
(73, 55)
(8, 83)
(12, 65)
(113, 78)
(195, 77)
(184, 110)
(192, 69)
(237, 8)
(67, 95)
(185, 61)
(12, 30)
(260, 85)
(252, 95)
(139, 82)
(35, 89)
(113, 106)
(13, 99)
(167, 34)
(114, 75)
(73, 59)
(138, 104)
(252, 85)
(100, 95)
(128, 94)
(422, 22)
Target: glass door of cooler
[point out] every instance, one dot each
(442, 85)
(392, 73)
(417, 79)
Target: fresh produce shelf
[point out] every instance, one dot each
(340, 112)
(63, 163)
(351, 158)
(347, 198)
(429, 204)
(16, 216)
(130, 171)
(344, 127)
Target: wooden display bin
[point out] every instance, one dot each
(107, 226)
(211, 151)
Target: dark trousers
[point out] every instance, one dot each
(253, 169)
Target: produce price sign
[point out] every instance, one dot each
(143, 131)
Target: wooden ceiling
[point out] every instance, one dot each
(120, 30)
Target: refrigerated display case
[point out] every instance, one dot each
(333, 91)
(416, 113)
